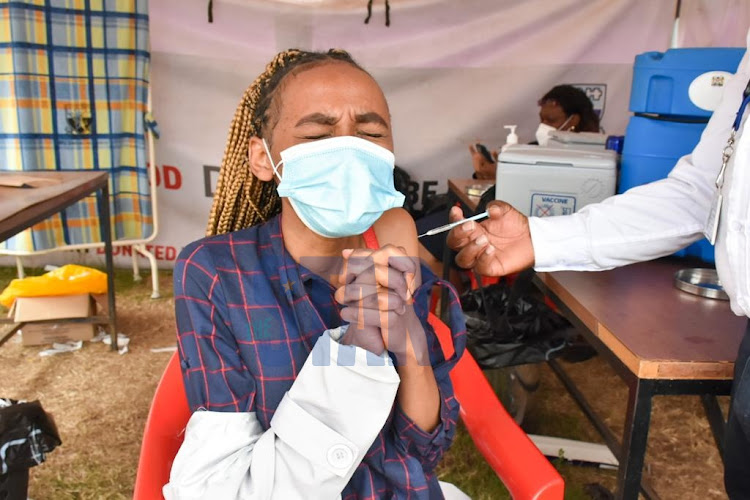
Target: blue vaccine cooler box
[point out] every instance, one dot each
(544, 181)
(672, 97)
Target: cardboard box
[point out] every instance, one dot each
(49, 333)
(102, 303)
(31, 310)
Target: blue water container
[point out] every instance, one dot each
(652, 148)
(662, 80)
(672, 96)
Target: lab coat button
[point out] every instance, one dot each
(736, 226)
(340, 456)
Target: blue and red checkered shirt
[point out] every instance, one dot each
(248, 316)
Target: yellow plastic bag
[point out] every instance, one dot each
(66, 280)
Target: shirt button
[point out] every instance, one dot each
(340, 456)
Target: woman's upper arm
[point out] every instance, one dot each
(214, 374)
(396, 227)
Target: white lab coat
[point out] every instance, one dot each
(319, 434)
(657, 219)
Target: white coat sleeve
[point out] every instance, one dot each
(647, 221)
(319, 434)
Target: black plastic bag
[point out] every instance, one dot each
(511, 325)
(27, 434)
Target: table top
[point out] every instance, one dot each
(656, 330)
(49, 192)
(458, 187)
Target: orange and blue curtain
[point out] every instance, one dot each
(73, 96)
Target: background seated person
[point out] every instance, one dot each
(564, 107)
(305, 349)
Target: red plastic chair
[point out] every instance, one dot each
(515, 459)
(164, 433)
(512, 455)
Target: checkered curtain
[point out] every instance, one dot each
(73, 95)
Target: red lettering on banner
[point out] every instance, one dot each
(171, 175)
(161, 252)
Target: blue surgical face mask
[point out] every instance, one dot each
(339, 186)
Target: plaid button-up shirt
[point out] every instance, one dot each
(248, 316)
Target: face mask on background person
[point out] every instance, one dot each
(339, 186)
(543, 131)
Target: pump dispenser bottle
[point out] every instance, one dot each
(512, 138)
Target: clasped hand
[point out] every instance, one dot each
(377, 293)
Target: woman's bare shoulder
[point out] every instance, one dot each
(396, 227)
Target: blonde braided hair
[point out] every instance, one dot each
(242, 200)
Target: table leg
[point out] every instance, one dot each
(106, 235)
(637, 420)
(715, 420)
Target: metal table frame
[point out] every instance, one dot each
(17, 222)
(632, 450)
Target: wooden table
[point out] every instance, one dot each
(658, 339)
(53, 191)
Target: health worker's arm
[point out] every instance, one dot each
(320, 431)
(648, 221)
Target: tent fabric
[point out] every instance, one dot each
(73, 95)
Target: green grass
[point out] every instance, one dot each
(465, 467)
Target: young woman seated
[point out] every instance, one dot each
(306, 353)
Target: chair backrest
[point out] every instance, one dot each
(164, 433)
(512, 455)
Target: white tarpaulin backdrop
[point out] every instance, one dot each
(453, 72)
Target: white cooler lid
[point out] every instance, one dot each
(568, 137)
(557, 157)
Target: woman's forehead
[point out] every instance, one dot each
(330, 85)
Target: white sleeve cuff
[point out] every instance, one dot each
(560, 243)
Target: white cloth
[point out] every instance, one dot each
(318, 436)
(450, 492)
(657, 219)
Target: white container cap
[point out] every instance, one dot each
(568, 137)
(557, 157)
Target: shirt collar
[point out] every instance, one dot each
(294, 276)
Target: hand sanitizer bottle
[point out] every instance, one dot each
(512, 138)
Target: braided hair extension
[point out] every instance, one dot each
(242, 200)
